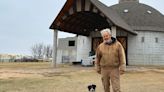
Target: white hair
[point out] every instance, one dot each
(105, 30)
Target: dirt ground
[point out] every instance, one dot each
(70, 78)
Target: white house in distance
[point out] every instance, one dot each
(139, 28)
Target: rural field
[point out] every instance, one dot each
(41, 77)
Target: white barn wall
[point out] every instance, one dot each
(83, 47)
(66, 53)
(148, 52)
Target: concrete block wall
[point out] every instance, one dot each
(63, 43)
(144, 50)
(66, 53)
(83, 47)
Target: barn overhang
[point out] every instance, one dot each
(84, 16)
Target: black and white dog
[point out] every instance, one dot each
(92, 88)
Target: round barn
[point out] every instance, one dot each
(139, 28)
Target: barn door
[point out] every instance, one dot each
(123, 41)
(96, 42)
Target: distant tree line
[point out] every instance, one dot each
(41, 51)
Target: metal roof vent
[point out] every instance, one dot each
(126, 10)
(148, 11)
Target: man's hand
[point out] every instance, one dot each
(99, 71)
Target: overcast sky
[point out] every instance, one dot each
(24, 23)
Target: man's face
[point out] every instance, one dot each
(106, 36)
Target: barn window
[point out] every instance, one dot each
(71, 43)
(156, 39)
(126, 10)
(148, 11)
(142, 39)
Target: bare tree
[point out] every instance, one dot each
(48, 51)
(38, 51)
(34, 50)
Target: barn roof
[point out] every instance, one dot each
(83, 16)
(140, 16)
(113, 16)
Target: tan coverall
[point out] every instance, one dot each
(110, 61)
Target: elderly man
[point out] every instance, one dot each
(110, 61)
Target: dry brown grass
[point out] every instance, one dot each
(40, 77)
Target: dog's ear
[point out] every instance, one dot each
(94, 86)
(89, 87)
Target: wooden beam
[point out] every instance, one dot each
(74, 6)
(82, 5)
